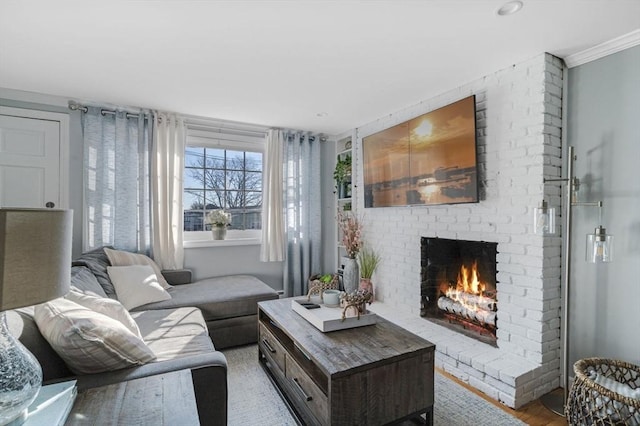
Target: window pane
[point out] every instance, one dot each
(193, 213)
(193, 156)
(215, 158)
(253, 199)
(253, 181)
(215, 200)
(253, 161)
(235, 160)
(251, 219)
(237, 220)
(233, 199)
(235, 179)
(193, 220)
(214, 179)
(192, 200)
(193, 179)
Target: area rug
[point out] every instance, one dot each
(253, 400)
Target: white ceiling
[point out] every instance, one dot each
(280, 63)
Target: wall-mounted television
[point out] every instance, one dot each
(430, 159)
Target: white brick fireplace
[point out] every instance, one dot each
(519, 142)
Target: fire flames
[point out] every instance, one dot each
(469, 290)
(468, 279)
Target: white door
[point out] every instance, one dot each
(30, 159)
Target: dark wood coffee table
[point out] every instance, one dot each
(377, 374)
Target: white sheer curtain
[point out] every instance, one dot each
(303, 224)
(167, 171)
(273, 236)
(116, 180)
(291, 212)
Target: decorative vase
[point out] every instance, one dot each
(350, 275)
(219, 232)
(366, 284)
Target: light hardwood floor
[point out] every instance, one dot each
(533, 414)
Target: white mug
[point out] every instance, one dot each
(331, 297)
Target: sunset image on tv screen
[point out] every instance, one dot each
(430, 159)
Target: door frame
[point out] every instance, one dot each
(63, 161)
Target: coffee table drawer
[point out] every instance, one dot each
(307, 391)
(272, 347)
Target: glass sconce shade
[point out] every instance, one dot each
(544, 219)
(599, 246)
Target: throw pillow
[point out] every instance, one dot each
(97, 261)
(83, 280)
(125, 258)
(109, 307)
(136, 285)
(89, 342)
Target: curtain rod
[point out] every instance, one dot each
(104, 111)
(311, 137)
(199, 123)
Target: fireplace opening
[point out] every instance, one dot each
(458, 286)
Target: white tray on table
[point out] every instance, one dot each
(328, 318)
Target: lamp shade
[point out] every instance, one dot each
(35, 256)
(599, 246)
(544, 219)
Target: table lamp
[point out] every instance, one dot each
(35, 267)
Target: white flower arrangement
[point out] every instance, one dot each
(218, 218)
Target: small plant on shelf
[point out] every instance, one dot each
(342, 170)
(369, 261)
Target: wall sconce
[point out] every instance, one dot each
(599, 246)
(599, 249)
(544, 219)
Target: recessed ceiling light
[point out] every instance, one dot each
(322, 114)
(510, 8)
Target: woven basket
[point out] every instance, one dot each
(592, 404)
(318, 287)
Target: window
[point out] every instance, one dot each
(222, 177)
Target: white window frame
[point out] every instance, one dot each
(237, 140)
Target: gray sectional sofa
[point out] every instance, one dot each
(183, 332)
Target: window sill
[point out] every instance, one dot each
(222, 243)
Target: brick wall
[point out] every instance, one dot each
(519, 122)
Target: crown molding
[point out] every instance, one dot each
(607, 48)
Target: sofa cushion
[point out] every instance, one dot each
(136, 285)
(97, 262)
(174, 333)
(125, 258)
(83, 281)
(89, 342)
(109, 307)
(220, 297)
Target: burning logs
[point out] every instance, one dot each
(470, 311)
(481, 302)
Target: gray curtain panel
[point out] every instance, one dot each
(116, 180)
(302, 211)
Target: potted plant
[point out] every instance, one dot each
(369, 261)
(340, 173)
(219, 220)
